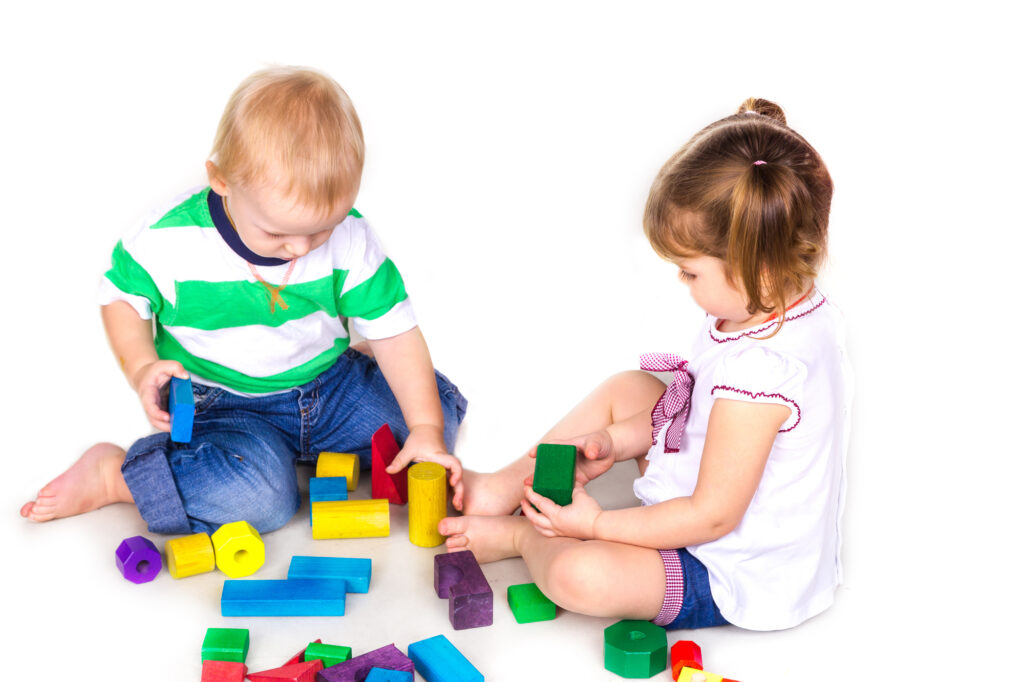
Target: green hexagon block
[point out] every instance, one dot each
(635, 649)
(529, 604)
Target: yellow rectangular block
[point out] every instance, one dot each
(351, 519)
(339, 464)
(691, 675)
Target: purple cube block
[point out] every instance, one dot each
(356, 669)
(138, 559)
(457, 577)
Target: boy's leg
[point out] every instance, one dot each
(595, 578)
(616, 399)
(93, 481)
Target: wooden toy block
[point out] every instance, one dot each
(392, 487)
(138, 559)
(190, 555)
(300, 657)
(437, 660)
(694, 675)
(283, 598)
(239, 549)
(529, 605)
(356, 669)
(296, 672)
(328, 654)
(685, 654)
(226, 644)
(329, 489)
(339, 464)
(428, 503)
(351, 519)
(355, 572)
(383, 675)
(223, 671)
(554, 473)
(181, 405)
(458, 578)
(635, 649)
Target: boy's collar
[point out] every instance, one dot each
(215, 202)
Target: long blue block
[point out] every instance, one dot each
(283, 598)
(355, 572)
(382, 675)
(181, 405)
(326, 489)
(438, 660)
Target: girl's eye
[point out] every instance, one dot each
(686, 276)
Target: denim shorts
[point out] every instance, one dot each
(240, 463)
(688, 601)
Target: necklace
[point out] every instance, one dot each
(274, 291)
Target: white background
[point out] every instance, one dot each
(510, 149)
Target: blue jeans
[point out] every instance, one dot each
(240, 463)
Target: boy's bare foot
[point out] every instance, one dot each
(490, 538)
(92, 482)
(497, 494)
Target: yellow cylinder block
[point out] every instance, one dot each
(428, 503)
(239, 549)
(351, 519)
(190, 555)
(339, 464)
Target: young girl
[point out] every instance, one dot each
(742, 482)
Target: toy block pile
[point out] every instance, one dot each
(436, 659)
(638, 648)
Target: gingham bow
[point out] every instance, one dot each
(674, 403)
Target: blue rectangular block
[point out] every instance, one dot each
(438, 660)
(382, 675)
(181, 405)
(326, 489)
(355, 572)
(283, 598)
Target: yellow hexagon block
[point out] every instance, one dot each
(691, 675)
(190, 555)
(339, 464)
(351, 519)
(239, 549)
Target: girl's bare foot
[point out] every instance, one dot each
(497, 494)
(490, 538)
(92, 482)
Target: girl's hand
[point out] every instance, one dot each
(574, 520)
(594, 454)
(426, 444)
(147, 381)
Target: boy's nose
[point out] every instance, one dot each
(298, 247)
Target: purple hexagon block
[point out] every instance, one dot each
(458, 578)
(138, 559)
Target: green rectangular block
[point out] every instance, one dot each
(554, 474)
(330, 654)
(529, 605)
(226, 644)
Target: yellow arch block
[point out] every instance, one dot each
(239, 549)
(428, 503)
(190, 555)
(351, 519)
(339, 464)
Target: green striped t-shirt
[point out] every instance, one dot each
(227, 328)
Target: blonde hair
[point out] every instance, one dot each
(752, 192)
(295, 128)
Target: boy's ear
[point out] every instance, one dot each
(217, 183)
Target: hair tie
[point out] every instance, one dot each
(760, 163)
(751, 111)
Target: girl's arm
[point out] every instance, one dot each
(739, 440)
(404, 361)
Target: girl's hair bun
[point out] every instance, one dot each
(755, 105)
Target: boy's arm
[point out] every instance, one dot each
(131, 339)
(404, 360)
(739, 440)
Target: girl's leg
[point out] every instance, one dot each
(618, 398)
(592, 577)
(93, 481)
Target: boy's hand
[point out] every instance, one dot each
(574, 520)
(147, 381)
(426, 444)
(594, 454)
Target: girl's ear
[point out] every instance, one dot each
(217, 183)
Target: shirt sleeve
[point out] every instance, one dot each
(761, 375)
(371, 293)
(127, 280)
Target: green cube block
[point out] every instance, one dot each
(554, 474)
(226, 644)
(529, 604)
(330, 654)
(635, 649)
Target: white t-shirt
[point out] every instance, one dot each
(780, 566)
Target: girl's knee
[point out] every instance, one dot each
(575, 581)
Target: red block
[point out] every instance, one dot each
(685, 654)
(297, 658)
(223, 671)
(392, 487)
(296, 672)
